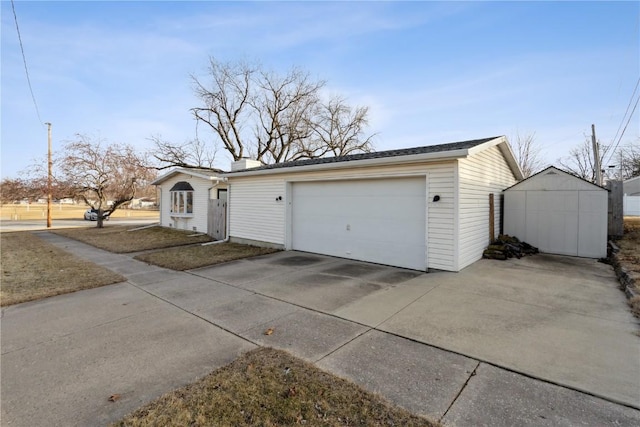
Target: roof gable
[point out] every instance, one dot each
(554, 179)
(430, 152)
(206, 174)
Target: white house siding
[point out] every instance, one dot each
(479, 175)
(631, 205)
(254, 212)
(200, 204)
(256, 215)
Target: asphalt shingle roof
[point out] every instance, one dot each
(453, 146)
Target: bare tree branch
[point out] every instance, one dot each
(271, 116)
(527, 153)
(581, 162)
(191, 154)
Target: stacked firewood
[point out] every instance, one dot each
(508, 247)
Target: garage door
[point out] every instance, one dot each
(381, 221)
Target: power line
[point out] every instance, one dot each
(626, 111)
(625, 127)
(633, 94)
(24, 60)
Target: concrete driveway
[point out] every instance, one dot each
(538, 341)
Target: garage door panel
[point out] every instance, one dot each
(381, 221)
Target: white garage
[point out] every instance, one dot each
(375, 220)
(559, 213)
(420, 208)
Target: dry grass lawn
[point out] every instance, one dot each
(268, 387)
(34, 269)
(126, 239)
(629, 255)
(201, 256)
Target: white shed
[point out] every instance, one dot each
(559, 213)
(418, 208)
(185, 195)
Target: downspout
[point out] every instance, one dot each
(228, 210)
(159, 201)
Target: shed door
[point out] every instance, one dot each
(559, 222)
(381, 221)
(552, 221)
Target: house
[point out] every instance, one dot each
(631, 186)
(185, 195)
(559, 213)
(631, 201)
(418, 208)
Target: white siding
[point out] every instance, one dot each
(256, 215)
(631, 205)
(200, 203)
(479, 175)
(254, 212)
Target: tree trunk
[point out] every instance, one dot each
(100, 222)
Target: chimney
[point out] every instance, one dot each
(244, 163)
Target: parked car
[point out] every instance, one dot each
(92, 215)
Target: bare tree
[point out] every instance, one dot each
(629, 159)
(225, 99)
(338, 130)
(284, 108)
(581, 161)
(192, 154)
(270, 116)
(13, 190)
(527, 153)
(103, 175)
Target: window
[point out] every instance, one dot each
(181, 198)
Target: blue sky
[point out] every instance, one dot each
(431, 72)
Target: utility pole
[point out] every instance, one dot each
(621, 163)
(50, 164)
(596, 156)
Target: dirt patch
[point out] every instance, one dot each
(33, 269)
(126, 239)
(268, 387)
(187, 258)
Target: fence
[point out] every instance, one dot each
(217, 220)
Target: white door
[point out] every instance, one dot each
(559, 222)
(552, 221)
(381, 220)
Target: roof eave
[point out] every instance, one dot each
(176, 171)
(412, 158)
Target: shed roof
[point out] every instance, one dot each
(554, 179)
(429, 152)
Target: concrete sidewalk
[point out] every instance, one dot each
(62, 357)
